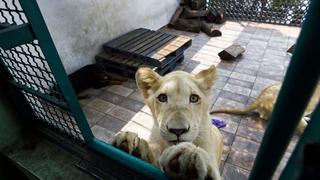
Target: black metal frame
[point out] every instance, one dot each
(285, 12)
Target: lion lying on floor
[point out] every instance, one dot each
(265, 102)
(183, 142)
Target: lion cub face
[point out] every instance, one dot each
(178, 101)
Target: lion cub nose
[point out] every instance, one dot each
(178, 132)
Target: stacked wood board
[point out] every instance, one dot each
(143, 47)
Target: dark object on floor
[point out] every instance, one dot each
(210, 30)
(191, 25)
(197, 4)
(291, 49)
(92, 76)
(231, 52)
(189, 13)
(176, 15)
(217, 17)
(218, 123)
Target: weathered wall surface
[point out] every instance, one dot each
(80, 27)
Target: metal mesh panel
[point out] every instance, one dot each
(286, 12)
(54, 116)
(31, 73)
(11, 12)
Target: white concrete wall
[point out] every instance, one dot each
(80, 27)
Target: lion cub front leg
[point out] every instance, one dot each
(132, 144)
(186, 161)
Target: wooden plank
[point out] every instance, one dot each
(151, 49)
(178, 51)
(126, 60)
(149, 52)
(130, 70)
(210, 30)
(170, 66)
(291, 49)
(192, 25)
(163, 52)
(197, 4)
(171, 47)
(189, 13)
(126, 37)
(176, 15)
(136, 64)
(148, 46)
(134, 41)
(148, 41)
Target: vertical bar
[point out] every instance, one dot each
(299, 83)
(41, 32)
(311, 134)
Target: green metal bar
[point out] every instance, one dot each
(311, 134)
(4, 25)
(124, 159)
(41, 32)
(301, 79)
(22, 33)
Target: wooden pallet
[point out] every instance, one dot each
(153, 48)
(127, 67)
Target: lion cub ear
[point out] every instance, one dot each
(205, 78)
(147, 81)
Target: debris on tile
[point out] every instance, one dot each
(231, 52)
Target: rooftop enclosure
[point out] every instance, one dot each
(41, 42)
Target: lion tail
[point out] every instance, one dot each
(242, 111)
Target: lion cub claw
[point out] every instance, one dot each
(132, 144)
(186, 161)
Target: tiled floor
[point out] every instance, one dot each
(121, 108)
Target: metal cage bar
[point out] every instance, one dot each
(31, 69)
(294, 166)
(40, 30)
(300, 81)
(285, 12)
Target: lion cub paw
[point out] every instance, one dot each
(132, 144)
(186, 161)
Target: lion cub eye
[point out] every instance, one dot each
(162, 98)
(194, 98)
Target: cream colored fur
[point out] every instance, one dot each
(265, 102)
(198, 153)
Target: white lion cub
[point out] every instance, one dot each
(183, 142)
